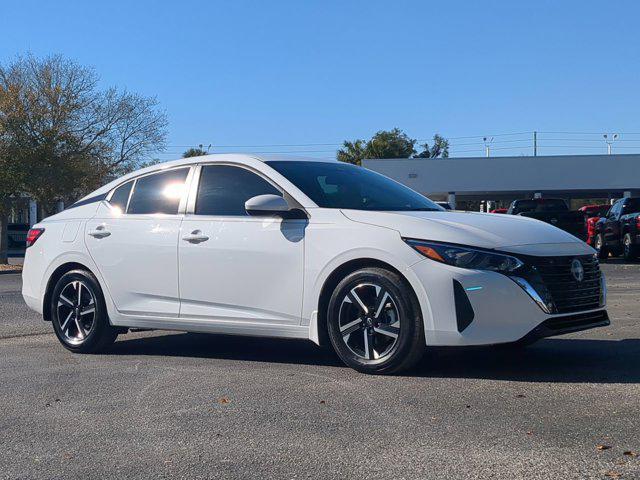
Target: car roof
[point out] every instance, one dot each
(240, 158)
(232, 157)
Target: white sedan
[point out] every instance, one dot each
(302, 248)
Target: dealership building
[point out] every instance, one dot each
(465, 180)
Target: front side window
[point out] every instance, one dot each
(341, 185)
(615, 210)
(159, 192)
(224, 189)
(120, 196)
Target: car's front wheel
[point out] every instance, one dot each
(79, 314)
(601, 248)
(628, 248)
(374, 322)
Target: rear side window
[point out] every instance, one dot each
(120, 196)
(159, 193)
(224, 189)
(632, 206)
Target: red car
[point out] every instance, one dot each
(592, 214)
(498, 210)
(591, 211)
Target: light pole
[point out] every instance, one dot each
(487, 142)
(609, 138)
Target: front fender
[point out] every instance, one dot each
(388, 241)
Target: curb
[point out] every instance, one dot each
(10, 272)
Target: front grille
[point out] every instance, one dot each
(567, 293)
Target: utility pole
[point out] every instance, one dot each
(535, 143)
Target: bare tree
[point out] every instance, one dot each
(62, 136)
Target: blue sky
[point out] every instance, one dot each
(318, 72)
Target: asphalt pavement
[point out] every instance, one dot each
(178, 405)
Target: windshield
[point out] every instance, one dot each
(342, 185)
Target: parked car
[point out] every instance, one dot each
(320, 250)
(551, 210)
(499, 210)
(17, 235)
(592, 214)
(618, 233)
(590, 211)
(591, 230)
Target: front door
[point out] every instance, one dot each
(133, 239)
(234, 267)
(612, 225)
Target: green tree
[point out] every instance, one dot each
(391, 144)
(384, 144)
(352, 152)
(194, 152)
(439, 148)
(61, 136)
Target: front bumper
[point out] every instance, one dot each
(502, 311)
(561, 325)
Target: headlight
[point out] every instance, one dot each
(466, 257)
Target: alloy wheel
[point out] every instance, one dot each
(627, 246)
(369, 321)
(76, 312)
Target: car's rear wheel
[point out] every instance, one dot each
(79, 315)
(601, 248)
(628, 248)
(374, 322)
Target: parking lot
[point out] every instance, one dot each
(172, 405)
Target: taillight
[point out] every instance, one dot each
(33, 235)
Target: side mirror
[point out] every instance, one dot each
(266, 205)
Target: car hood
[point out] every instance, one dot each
(486, 230)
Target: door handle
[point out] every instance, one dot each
(195, 237)
(99, 232)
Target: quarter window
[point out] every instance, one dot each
(120, 196)
(224, 189)
(159, 193)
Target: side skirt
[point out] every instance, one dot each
(215, 326)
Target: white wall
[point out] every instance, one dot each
(508, 174)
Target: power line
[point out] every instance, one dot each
(501, 143)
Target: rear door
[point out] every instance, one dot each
(234, 267)
(133, 239)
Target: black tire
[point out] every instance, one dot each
(81, 330)
(601, 248)
(629, 250)
(398, 313)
